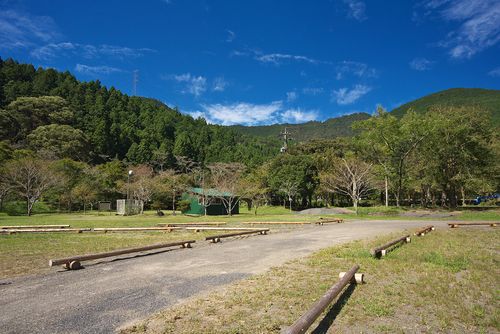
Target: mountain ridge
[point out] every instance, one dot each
(487, 99)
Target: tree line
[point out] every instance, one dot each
(72, 144)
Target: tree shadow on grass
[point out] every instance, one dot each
(334, 311)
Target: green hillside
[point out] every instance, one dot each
(49, 111)
(331, 128)
(486, 99)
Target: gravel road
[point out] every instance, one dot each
(111, 293)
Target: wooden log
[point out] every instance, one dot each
(202, 228)
(306, 320)
(18, 227)
(455, 224)
(67, 261)
(134, 229)
(47, 230)
(192, 224)
(382, 250)
(275, 223)
(216, 238)
(424, 230)
(323, 221)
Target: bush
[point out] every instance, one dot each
(184, 205)
(18, 208)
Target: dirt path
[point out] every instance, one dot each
(107, 295)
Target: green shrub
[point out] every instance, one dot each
(18, 208)
(184, 205)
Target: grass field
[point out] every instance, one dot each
(22, 254)
(445, 282)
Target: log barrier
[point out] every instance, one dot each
(424, 230)
(323, 221)
(133, 229)
(382, 250)
(18, 227)
(216, 238)
(192, 224)
(275, 223)
(455, 225)
(46, 230)
(74, 261)
(306, 320)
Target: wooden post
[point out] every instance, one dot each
(382, 250)
(305, 321)
(67, 262)
(18, 227)
(216, 238)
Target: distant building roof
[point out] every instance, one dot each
(209, 192)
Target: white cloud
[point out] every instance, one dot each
(356, 9)
(495, 72)
(21, 30)
(291, 96)
(242, 113)
(278, 58)
(253, 114)
(344, 96)
(355, 68)
(230, 36)
(219, 84)
(421, 64)
(313, 91)
(479, 25)
(195, 85)
(299, 116)
(65, 49)
(96, 70)
(195, 114)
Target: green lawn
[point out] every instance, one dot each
(22, 254)
(445, 282)
(25, 253)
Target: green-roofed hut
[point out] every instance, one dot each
(195, 197)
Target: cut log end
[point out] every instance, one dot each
(358, 278)
(73, 265)
(408, 239)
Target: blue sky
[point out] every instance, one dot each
(263, 62)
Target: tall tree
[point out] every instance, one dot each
(459, 153)
(29, 178)
(350, 177)
(226, 179)
(394, 139)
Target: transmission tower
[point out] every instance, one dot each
(135, 80)
(286, 135)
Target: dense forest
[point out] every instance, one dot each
(331, 128)
(43, 109)
(69, 144)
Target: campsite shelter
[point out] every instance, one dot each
(195, 197)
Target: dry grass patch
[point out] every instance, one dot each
(446, 281)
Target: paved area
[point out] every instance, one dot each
(111, 293)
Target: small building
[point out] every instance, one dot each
(133, 207)
(195, 196)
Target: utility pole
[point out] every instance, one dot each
(286, 135)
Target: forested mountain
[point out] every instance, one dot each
(46, 110)
(331, 128)
(486, 99)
